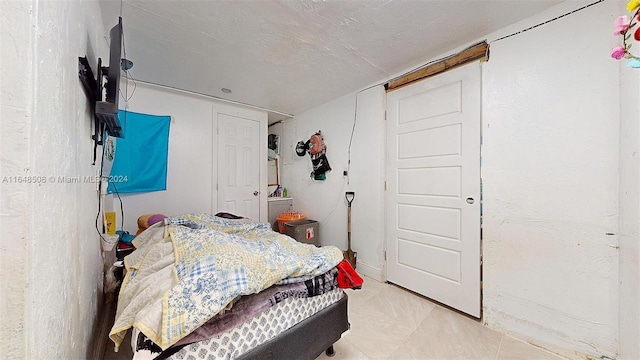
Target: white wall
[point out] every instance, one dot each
(550, 182)
(629, 231)
(190, 169)
(51, 269)
(324, 201)
(550, 179)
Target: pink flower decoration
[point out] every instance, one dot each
(618, 52)
(620, 25)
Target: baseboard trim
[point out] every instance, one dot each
(370, 271)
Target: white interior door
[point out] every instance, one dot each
(238, 165)
(433, 188)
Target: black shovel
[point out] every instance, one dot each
(349, 254)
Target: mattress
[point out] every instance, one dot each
(264, 327)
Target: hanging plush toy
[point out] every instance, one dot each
(317, 150)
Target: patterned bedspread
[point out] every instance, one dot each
(187, 270)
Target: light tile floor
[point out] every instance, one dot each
(388, 322)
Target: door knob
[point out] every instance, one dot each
(470, 200)
(255, 193)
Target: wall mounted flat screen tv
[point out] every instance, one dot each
(107, 110)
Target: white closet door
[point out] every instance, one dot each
(238, 166)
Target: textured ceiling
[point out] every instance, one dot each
(289, 56)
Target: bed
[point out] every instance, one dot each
(201, 286)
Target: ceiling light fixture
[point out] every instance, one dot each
(226, 91)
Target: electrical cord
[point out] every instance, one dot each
(121, 206)
(335, 206)
(126, 97)
(128, 77)
(100, 199)
(353, 129)
(546, 22)
(100, 193)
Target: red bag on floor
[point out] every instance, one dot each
(348, 278)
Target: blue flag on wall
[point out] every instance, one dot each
(140, 163)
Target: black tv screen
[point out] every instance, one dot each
(107, 110)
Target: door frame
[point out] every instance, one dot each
(248, 114)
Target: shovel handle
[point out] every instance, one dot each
(349, 230)
(349, 196)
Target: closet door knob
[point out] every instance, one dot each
(470, 200)
(255, 193)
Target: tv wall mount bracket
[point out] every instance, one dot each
(92, 86)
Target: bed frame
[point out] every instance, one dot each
(307, 339)
(304, 341)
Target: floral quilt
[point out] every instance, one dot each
(188, 269)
